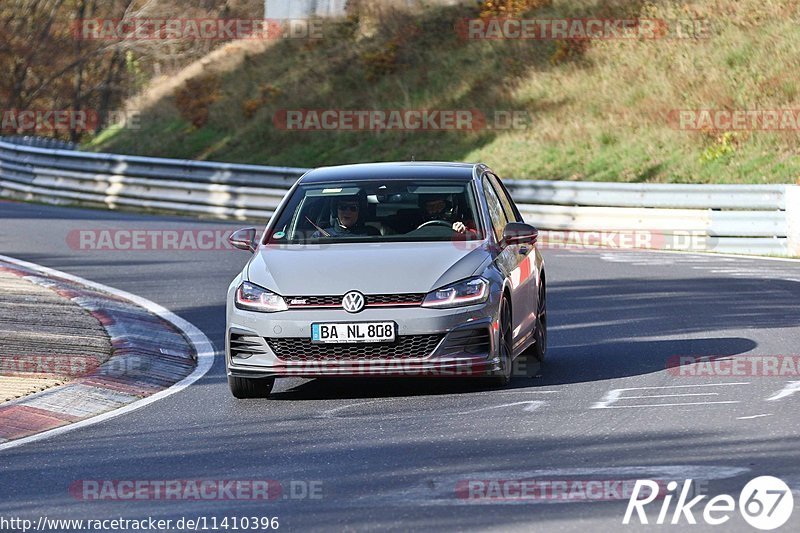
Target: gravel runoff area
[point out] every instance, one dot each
(69, 352)
(45, 339)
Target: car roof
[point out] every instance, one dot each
(422, 170)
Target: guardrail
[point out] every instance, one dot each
(41, 142)
(747, 219)
(750, 219)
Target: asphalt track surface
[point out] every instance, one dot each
(389, 454)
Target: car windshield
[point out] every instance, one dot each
(378, 211)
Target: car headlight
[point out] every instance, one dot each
(468, 292)
(254, 298)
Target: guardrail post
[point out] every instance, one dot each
(793, 219)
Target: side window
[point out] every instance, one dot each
(512, 214)
(496, 213)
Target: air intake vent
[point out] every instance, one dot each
(245, 346)
(471, 341)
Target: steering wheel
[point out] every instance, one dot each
(435, 223)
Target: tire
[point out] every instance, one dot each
(244, 388)
(505, 347)
(539, 348)
(535, 354)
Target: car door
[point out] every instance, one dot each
(508, 258)
(523, 277)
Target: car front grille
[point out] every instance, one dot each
(371, 300)
(394, 299)
(406, 347)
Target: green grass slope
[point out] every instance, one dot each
(596, 112)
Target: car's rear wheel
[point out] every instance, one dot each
(535, 354)
(244, 388)
(505, 346)
(540, 347)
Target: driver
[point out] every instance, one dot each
(349, 218)
(436, 207)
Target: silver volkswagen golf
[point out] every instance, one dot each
(387, 269)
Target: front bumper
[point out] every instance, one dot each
(466, 344)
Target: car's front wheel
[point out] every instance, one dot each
(244, 388)
(505, 346)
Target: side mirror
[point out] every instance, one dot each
(519, 233)
(244, 239)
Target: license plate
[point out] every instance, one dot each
(353, 332)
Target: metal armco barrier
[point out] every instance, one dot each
(748, 219)
(40, 142)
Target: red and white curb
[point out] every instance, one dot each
(155, 354)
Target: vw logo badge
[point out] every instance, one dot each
(353, 302)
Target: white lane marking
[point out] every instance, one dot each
(686, 386)
(663, 404)
(673, 395)
(530, 406)
(751, 417)
(640, 260)
(202, 345)
(611, 397)
(790, 388)
(522, 392)
(616, 395)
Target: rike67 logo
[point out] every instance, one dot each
(765, 503)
